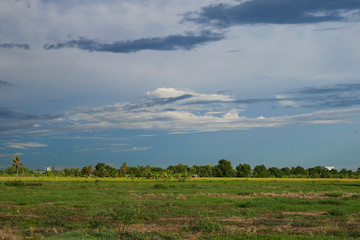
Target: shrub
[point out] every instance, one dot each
(14, 183)
(160, 186)
(331, 202)
(337, 212)
(334, 194)
(207, 225)
(163, 186)
(182, 179)
(244, 205)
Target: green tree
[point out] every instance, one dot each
(65, 172)
(203, 171)
(315, 172)
(276, 172)
(343, 173)
(224, 169)
(74, 172)
(180, 168)
(298, 171)
(286, 171)
(100, 170)
(104, 170)
(243, 170)
(16, 164)
(124, 168)
(146, 172)
(87, 170)
(261, 171)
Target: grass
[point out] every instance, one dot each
(95, 208)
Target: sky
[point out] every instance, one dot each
(273, 82)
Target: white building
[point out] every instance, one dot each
(328, 167)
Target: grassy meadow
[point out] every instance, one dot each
(96, 208)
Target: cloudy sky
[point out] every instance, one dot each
(272, 82)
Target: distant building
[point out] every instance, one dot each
(48, 169)
(328, 167)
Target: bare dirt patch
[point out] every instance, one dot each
(141, 227)
(47, 204)
(8, 235)
(317, 213)
(299, 195)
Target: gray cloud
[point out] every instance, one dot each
(5, 84)
(114, 149)
(172, 42)
(335, 96)
(6, 113)
(328, 29)
(14, 45)
(5, 155)
(25, 145)
(24, 121)
(274, 12)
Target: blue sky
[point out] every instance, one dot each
(165, 82)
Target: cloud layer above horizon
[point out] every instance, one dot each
(183, 110)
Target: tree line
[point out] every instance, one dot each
(180, 171)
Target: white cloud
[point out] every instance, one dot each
(25, 145)
(134, 149)
(285, 102)
(113, 148)
(197, 113)
(174, 117)
(173, 93)
(118, 144)
(4, 155)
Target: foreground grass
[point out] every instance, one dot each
(78, 208)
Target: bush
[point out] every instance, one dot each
(331, 202)
(337, 212)
(160, 186)
(14, 183)
(244, 205)
(163, 186)
(182, 179)
(334, 194)
(206, 225)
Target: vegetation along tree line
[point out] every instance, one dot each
(181, 171)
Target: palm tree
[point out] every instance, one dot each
(89, 169)
(16, 164)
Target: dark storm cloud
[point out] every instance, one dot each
(274, 12)
(14, 45)
(172, 42)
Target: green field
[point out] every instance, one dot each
(79, 208)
